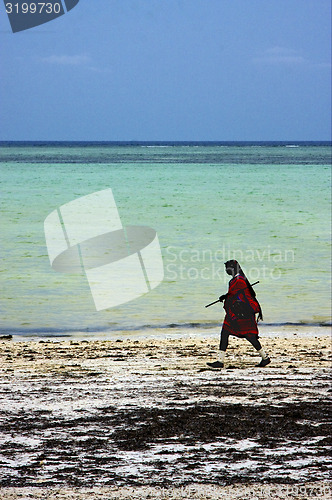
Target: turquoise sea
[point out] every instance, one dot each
(267, 205)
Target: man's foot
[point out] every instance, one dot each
(216, 364)
(264, 362)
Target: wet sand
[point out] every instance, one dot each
(148, 419)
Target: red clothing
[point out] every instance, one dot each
(238, 290)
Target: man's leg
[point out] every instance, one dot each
(224, 335)
(257, 345)
(222, 350)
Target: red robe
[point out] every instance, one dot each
(238, 290)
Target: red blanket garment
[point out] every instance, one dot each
(238, 289)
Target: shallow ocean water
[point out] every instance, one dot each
(266, 205)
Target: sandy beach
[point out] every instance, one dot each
(146, 418)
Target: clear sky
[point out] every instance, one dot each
(170, 70)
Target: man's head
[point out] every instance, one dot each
(232, 267)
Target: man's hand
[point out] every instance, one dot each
(222, 297)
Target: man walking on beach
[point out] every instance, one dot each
(241, 306)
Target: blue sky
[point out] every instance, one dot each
(170, 70)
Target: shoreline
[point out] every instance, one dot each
(167, 333)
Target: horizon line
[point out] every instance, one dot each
(163, 141)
